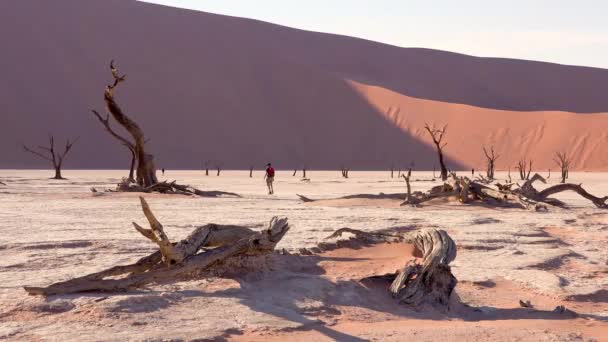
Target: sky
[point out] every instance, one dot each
(559, 31)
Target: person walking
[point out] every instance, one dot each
(269, 176)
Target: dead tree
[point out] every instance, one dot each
(124, 141)
(218, 168)
(525, 168)
(294, 172)
(304, 172)
(491, 158)
(175, 260)
(48, 153)
(251, 172)
(392, 171)
(563, 161)
(146, 170)
(425, 281)
(344, 172)
(146, 180)
(206, 165)
(465, 190)
(438, 135)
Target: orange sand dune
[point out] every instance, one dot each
(534, 135)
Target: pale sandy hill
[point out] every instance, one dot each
(211, 87)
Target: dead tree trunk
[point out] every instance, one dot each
(525, 168)
(438, 135)
(392, 172)
(563, 161)
(48, 153)
(344, 172)
(219, 169)
(491, 158)
(426, 282)
(174, 260)
(146, 171)
(430, 282)
(251, 172)
(294, 172)
(304, 172)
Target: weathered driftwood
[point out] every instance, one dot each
(175, 260)
(48, 153)
(426, 281)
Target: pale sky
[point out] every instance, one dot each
(560, 31)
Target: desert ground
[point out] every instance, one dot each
(53, 230)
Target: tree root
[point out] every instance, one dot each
(174, 260)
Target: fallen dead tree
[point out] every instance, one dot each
(127, 185)
(428, 280)
(175, 260)
(464, 190)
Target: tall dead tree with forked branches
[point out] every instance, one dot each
(491, 158)
(49, 153)
(438, 135)
(563, 161)
(145, 170)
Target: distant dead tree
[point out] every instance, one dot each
(524, 171)
(218, 167)
(392, 171)
(294, 172)
(438, 135)
(251, 172)
(491, 158)
(48, 153)
(563, 161)
(549, 176)
(206, 166)
(409, 188)
(344, 172)
(304, 172)
(145, 170)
